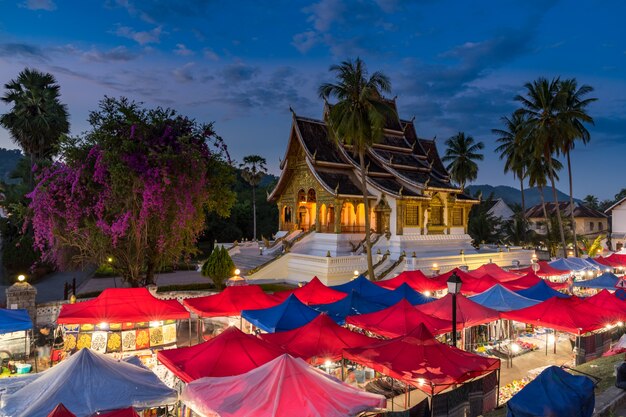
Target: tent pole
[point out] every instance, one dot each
(498, 391)
(546, 342)
(393, 397)
(241, 323)
(432, 398)
(556, 334)
(189, 323)
(342, 366)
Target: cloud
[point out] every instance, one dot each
(22, 50)
(238, 72)
(210, 54)
(324, 13)
(305, 41)
(184, 74)
(142, 37)
(47, 5)
(162, 11)
(119, 53)
(182, 50)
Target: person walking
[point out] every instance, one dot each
(42, 343)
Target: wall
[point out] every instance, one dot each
(619, 220)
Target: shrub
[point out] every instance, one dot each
(219, 267)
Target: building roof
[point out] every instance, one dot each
(615, 205)
(401, 164)
(564, 206)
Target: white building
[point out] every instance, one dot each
(618, 224)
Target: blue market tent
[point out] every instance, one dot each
(605, 281)
(572, 264)
(363, 287)
(353, 304)
(541, 292)
(87, 383)
(600, 266)
(14, 320)
(406, 292)
(502, 299)
(556, 393)
(288, 315)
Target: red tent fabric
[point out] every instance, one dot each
(617, 259)
(545, 270)
(230, 353)
(607, 262)
(414, 279)
(420, 360)
(399, 320)
(531, 279)
(61, 411)
(231, 302)
(566, 314)
(284, 387)
(468, 313)
(462, 274)
(495, 271)
(122, 305)
(611, 306)
(313, 292)
(125, 412)
(318, 341)
(477, 285)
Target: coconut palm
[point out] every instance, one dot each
(462, 153)
(576, 106)
(358, 119)
(592, 201)
(38, 118)
(253, 169)
(537, 170)
(512, 149)
(548, 122)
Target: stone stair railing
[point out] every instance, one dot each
(393, 266)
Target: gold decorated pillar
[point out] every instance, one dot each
(338, 208)
(400, 210)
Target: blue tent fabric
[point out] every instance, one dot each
(14, 321)
(555, 393)
(288, 315)
(606, 280)
(351, 305)
(541, 292)
(406, 292)
(598, 264)
(363, 287)
(572, 264)
(502, 299)
(86, 383)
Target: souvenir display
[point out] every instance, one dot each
(129, 340)
(114, 344)
(143, 339)
(156, 336)
(99, 341)
(84, 341)
(169, 334)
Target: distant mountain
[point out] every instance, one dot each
(8, 161)
(512, 195)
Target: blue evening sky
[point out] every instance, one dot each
(454, 65)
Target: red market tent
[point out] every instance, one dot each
(313, 292)
(231, 302)
(606, 262)
(420, 360)
(230, 353)
(414, 279)
(545, 270)
(125, 412)
(399, 320)
(618, 259)
(531, 279)
(284, 387)
(122, 305)
(468, 313)
(495, 271)
(462, 274)
(318, 341)
(611, 306)
(478, 285)
(570, 315)
(61, 411)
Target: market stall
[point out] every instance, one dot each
(230, 353)
(352, 304)
(605, 281)
(501, 299)
(289, 314)
(495, 272)
(541, 292)
(61, 411)
(15, 334)
(414, 279)
(277, 389)
(86, 383)
(530, 279)
(398, 320)
(403, 292)
(475, 286)
(544, 270)
(363, 287)
(313, 292)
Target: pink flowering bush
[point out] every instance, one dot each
(135, 189)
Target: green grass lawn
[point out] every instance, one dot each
(600, 368)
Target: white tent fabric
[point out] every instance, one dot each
(86, 383)
(283, 387)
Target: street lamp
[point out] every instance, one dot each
(454, 287)
(21, 278)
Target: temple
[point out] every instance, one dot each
(413, 203)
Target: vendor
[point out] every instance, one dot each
(42, 342)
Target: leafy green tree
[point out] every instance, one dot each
(462, 153)
(219, 267)
(547, 124)
(620, 195)
(253, 169)
(482, 226)
(576, 110)
(358, 119)
(537, 170)
(592, 201)
(37, 119)
(512, 149)
(516, 229)
(135, 188)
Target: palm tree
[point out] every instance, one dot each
(537, 170)
(575, 106)
(592, 201)
(358, 119)
(547, 124)
(253, 170)
(512, 148)
(38, 118)
(463, 152)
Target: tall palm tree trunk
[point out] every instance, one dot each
(366, 204)
(521, 187)
(253, 212)
(571, 203)
(556, 202)
(545, 212)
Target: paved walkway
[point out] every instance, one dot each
(249, 257)
(172, 278)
